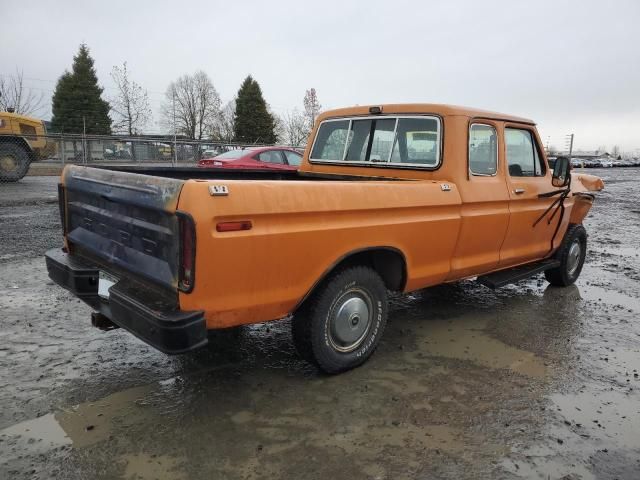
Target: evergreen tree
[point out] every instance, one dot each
(252, 121)
(77, 101)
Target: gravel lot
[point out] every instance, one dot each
(529, 381)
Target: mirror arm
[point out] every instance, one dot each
(558, 203)
(551, 194)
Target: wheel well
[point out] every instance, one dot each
(388, 262)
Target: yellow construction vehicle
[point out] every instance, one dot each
(22, 141)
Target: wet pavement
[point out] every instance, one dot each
(530, 381)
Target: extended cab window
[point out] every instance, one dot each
(483, 149)
(409, 141)
(522, 154)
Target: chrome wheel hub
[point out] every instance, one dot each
(350, 320)
(573, 258)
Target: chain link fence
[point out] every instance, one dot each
(46, 154)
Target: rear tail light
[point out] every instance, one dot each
(187, 252)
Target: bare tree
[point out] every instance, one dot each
(294, 128)
(311, 107)
(13, 94)
(223, 128)
(194, 103)
(130, 105)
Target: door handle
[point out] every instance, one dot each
(518, 191)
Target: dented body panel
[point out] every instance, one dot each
(124, 220)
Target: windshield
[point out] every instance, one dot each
(233, 154)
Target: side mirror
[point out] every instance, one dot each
(561, 172)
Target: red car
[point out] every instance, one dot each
(278, 158)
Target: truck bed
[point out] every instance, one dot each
(212, 173)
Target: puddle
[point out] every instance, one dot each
(610, 297)
(143, 466)
(590, 424)
(466, 340)
(39, 435)
(81, 425)
(611, 416)
(540, 465)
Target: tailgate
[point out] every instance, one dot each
(126, 222)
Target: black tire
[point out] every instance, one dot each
(14, 162)
(339, 326)
(571, 255)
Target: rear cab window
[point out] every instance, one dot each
(523, 157)
(393, 141)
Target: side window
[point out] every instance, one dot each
(270, 156)
(483, 151)
(330, 140)
(523, 159)
(293, 158)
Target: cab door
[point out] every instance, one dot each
(485, 203)
(530, 230)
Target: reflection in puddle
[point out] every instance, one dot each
(143, 466)
(466, 340)
(610, 415)
(40, 434)
(83, 424)
(610, 297)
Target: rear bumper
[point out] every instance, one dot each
(170, 331)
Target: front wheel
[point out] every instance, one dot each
(571, 255)
(340, 326)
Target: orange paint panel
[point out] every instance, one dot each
(262, 273)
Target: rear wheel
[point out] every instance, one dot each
(571, 255)
(340, 326)
(14, 162)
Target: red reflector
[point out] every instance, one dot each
(233, 226)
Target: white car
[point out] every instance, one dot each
(605, 163)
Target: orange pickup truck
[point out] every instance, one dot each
(388, 198)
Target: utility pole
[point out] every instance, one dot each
(569, 140)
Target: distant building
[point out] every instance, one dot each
(590, 155)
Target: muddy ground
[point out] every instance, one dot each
(527, 382)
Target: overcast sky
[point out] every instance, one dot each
(574, 67)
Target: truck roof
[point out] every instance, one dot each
(434, 108)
